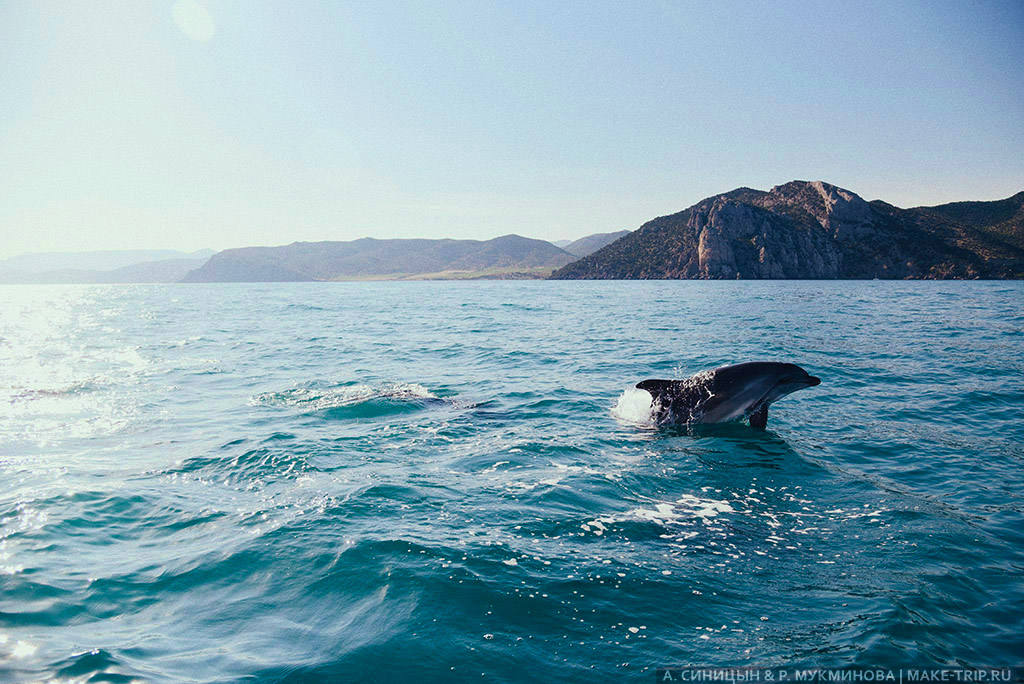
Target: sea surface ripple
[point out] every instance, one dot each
(443, 481)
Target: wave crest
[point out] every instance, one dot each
(314, 398)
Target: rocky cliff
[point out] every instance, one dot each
(816, 230)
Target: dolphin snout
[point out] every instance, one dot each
(812, 381)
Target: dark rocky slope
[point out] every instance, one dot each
(816, 230)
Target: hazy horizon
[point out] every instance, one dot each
(192, 125)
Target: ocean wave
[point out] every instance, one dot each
(316, 398)
(95, 664)
(61, 392)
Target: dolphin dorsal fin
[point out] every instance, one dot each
(655, 387)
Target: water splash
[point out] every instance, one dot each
(631, 404)
(637, 407)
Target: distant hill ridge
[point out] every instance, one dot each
(592, 243)
(369, 258)
(110, 266)
(806, 229)
(96, 260)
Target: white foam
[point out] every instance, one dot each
(683, 511)
(635, 406)
(704, 508)
(23, 649)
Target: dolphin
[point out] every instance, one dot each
(744, 390)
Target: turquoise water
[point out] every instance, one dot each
(431, 481)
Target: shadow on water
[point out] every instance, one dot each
(734, 445)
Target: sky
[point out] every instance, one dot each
(196, 124)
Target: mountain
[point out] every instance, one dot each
(371, 259)
(166, 271)
(108, 260)
(163, 271)
(591, 243)
(815, 230)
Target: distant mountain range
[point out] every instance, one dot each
(815, 230)
(797, 230)
(509, 256)
(114, 266)
(105, 260)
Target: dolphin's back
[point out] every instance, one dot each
(726, 393)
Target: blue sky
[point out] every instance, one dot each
(223, 123)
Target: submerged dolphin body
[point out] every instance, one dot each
(727, 393)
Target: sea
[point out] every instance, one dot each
(457, 481)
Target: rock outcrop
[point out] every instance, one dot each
(816, 230)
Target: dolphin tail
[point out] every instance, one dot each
(759, 418)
